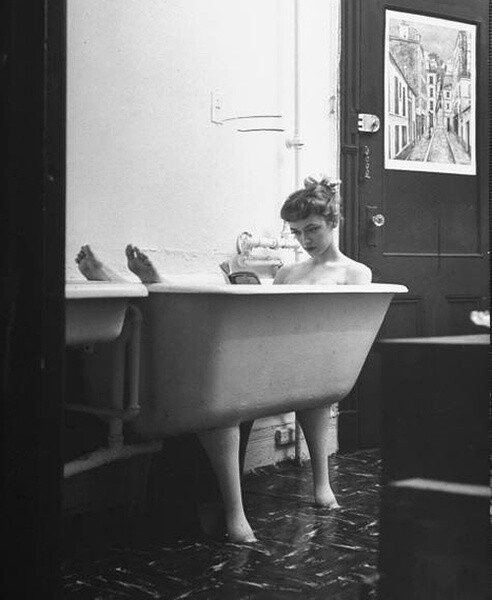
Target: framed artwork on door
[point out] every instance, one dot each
(429, 94)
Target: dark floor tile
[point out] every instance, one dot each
(304, 552)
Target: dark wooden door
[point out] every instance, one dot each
(416, 189)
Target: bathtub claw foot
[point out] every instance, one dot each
(331, 503)
(325, 498)
(222, 448)
(240, 533)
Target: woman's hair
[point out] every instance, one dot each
(316, 198)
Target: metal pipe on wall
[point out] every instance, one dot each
(297, 142)
(127, 354)
(297, 145)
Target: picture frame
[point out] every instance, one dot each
(429, 94)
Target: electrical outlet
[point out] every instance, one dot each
(285, 436)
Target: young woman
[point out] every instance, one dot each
(312, 214)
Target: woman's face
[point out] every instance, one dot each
(314, 234)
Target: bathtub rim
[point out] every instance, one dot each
(80, 290)
(272, 290)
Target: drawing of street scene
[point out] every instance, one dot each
(429, 94)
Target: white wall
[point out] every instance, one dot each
(145, 164)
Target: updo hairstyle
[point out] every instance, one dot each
(316, 198)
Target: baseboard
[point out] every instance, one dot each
(263, 450)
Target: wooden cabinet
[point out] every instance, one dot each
(435, 501)
(435, 408)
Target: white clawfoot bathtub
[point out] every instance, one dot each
(216, 355)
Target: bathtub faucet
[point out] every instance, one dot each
(246, 242)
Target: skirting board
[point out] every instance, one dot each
(262, 449)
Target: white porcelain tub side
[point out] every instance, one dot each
(216, 355)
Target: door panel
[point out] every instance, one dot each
(429, 214)
(404, 319)
(426, 229)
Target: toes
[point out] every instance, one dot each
(141, 256)
(134, 254)
(88, 251)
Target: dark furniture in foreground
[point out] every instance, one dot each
(435, 503)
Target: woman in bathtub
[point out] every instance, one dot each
(312, 214)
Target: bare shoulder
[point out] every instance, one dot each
(358, 273)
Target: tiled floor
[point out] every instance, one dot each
(304, 552)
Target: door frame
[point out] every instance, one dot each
(349, 137)
(348, 436)
(32, 297)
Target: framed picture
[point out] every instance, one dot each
(429, 94)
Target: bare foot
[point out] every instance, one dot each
(139, 264)
(92, 268)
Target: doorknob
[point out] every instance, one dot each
(375, 220)
(378, 220)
